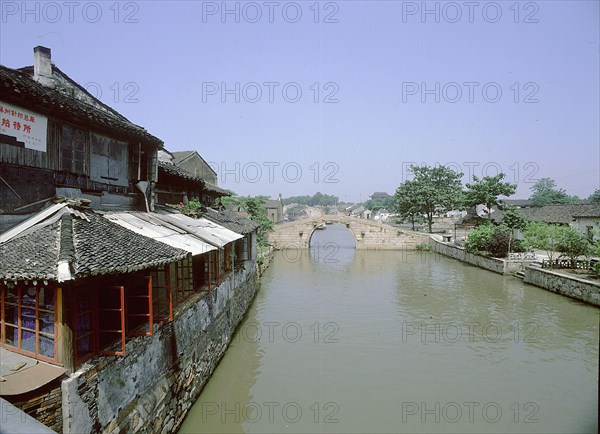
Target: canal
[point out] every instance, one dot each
(340, 340)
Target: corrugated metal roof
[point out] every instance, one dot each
(153, 226)
(202, 228)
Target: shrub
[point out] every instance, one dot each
(518, 246)
(478, 239)
(572, 244)
(499, 241)
(488, 239)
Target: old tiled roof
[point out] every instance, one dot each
(33, 256)
(92, 245)
(231, 221)
(179, 156)
(273, 203)
(103, 247)
(174, 170)
(21, 89)
(218, 190)
(555, 213)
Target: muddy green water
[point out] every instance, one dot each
(339, 340)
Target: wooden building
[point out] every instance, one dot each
(57, 139)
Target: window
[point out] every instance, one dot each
(182, 280)
(72, 150)
(111, 319)
(201, 272)
(109, 161)
(213, 266)
(241, 251)
(227, 257)
(162, 303)
(139, 307)
(27, 320)
(85, 325)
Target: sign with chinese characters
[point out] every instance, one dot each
(22, 128)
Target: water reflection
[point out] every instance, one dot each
(332, 248)
(392, 341)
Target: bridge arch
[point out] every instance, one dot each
(368, 234)
(348, 232)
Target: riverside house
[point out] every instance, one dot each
(107, 296)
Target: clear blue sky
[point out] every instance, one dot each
(174, 62)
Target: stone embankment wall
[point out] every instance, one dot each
(558, 282)
(501, 266)
(44, 405)
(152, 386)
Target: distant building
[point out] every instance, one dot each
(380, 195)
(196, 165)
(584, 217)
(275, 209)
(177, 185)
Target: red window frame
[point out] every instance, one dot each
(130, 313)
(20, 327)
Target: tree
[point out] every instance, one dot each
(543, 236)
(255, 207)
(573, 244)
(295, 212)
(513, 220)
(407, 204)
(595, 196)
(435, 189)
(485, 191)
(546, 193)
(377, 203)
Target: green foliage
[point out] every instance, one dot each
(318, 199)
(255, 207)
(566, 240)
(546, 193)
(192, 207)
(406, 203)
(517, 246)
(595, 196)
(433, 189)
(513, 220)
(596, 269)
(485, 191)
(573, 244)
(490, 240)
(423, 247)
(295, 211)
(543, 236)
(378, 203)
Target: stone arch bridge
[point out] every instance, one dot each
(368, 234)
